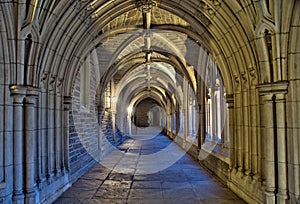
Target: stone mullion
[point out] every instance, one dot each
(282, 195)
(30, 146)
(18, 94)
(65, 140)
(267, 124)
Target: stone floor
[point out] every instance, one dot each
(148, 168)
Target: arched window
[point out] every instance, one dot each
(216, 108)
(85, 85)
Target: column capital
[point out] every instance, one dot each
(31, 95)
(273, 88)
(18, 93)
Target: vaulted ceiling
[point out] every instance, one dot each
(233, 34)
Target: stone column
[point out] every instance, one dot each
(201, 122)
(181, 121)
(67, 107)
(113, 125)
(29, 145)
(255, 141)
(273, 122)
(58, 133)
(100, 134)
(185, 109)
(172, 114)
(239, 133)
(207, 116)
(168, 123)
(129, 123)
(282, 195)
(230, 102)
(39, 139)
(267, 123)
(51, 135)
(18, 93)
(246, 144)
(43, 134)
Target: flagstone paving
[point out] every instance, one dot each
(148, 168)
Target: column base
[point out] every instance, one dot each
(18, 198)
(270, 197)
(240, 173)
(50, 178)
(282, 196)
(30, 198)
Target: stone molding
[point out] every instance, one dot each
(273, 88)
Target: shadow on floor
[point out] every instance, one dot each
(143, 170)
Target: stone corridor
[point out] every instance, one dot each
(143, 170)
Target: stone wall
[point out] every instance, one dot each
(141, 113)
(83, 136)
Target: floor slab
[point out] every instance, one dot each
(143, 170)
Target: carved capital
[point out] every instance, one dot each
(52, 82)
(145, 5)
